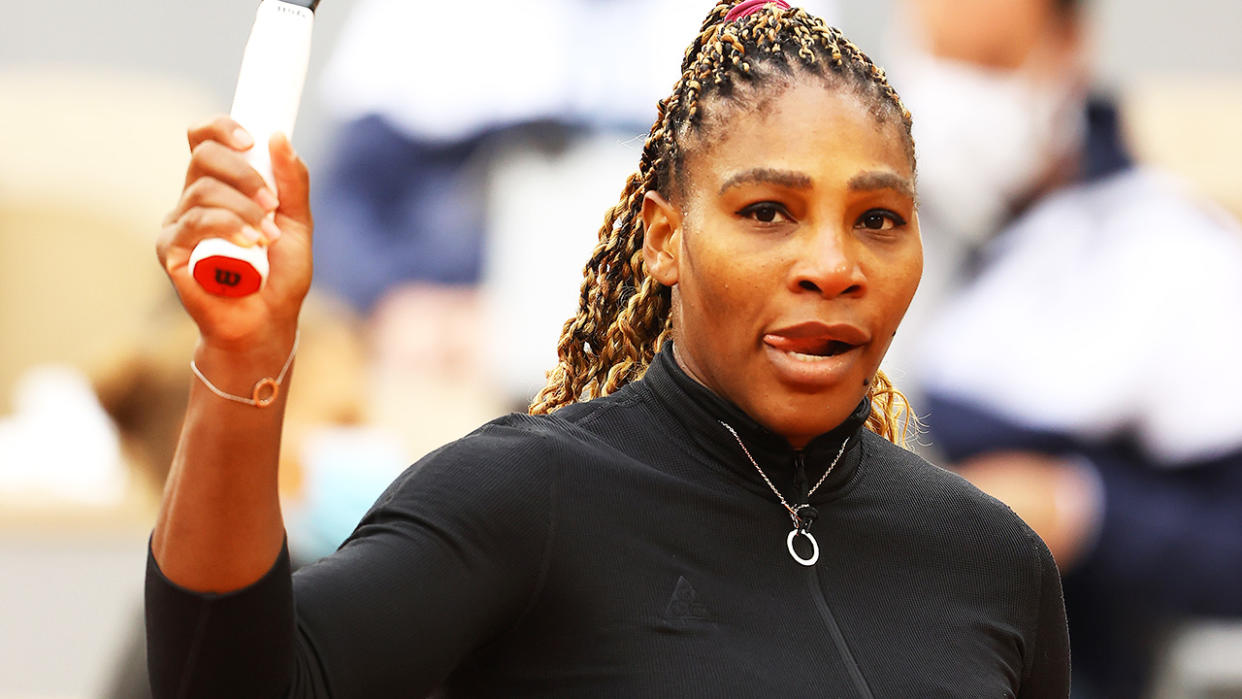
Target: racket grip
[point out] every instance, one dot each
(269, 88)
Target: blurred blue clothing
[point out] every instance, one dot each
(402, 197)
(397, 209)
(1103, 152)
(391, 209)
(1102, 325)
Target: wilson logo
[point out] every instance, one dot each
(225, 277)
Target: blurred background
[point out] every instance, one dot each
(442, 145)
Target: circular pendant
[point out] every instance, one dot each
(789, 543)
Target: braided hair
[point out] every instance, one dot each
(623, 314)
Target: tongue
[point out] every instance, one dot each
(819, 346)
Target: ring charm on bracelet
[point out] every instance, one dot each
(265, 392)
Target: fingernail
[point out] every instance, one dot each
(266, 199)
(242, 139)
(270, 228)
(250, 235)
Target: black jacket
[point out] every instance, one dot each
(626, 547)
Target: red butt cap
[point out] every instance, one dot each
(227, 276)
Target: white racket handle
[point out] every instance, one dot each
(269, 89)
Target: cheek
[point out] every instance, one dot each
(725, 287)
(706, 274)
(706, 294)
(897, 286)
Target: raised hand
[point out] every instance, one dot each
(224, 197)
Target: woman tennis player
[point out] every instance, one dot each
(707, 498)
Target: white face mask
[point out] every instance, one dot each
(984, 139)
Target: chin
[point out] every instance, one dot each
(801, 418)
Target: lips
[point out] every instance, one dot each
(816, 340)
(815, 356)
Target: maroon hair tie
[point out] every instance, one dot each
(750, 7)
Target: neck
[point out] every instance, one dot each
(704, 414)
(797, 442)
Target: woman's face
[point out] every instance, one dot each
(792, 255)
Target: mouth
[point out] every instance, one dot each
(809, 349)
(815, 353)
(814, 340)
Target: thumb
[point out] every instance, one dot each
(292, 180)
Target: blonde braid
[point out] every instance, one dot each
(623, 315)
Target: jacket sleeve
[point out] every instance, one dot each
(1048, 659)
(449, 558)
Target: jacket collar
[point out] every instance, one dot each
(700, 412)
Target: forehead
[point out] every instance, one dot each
(828, 133)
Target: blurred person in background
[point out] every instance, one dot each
(402, 208)
(433, 202)
(1082, 362)
(401, 202)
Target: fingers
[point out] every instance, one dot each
(209, 192)
(199, 223)
(220, 128)
(214, 159)
(292, 180)
(223, 194)
(217, 149)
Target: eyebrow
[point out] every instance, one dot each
(866, 181)
(785, 178)
(869, 181)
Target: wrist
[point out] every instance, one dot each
(271, 338)
(253, 373)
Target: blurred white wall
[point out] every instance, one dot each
(1132, 37)
(201, 42)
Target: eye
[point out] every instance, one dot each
(766, 212)
(879, 220)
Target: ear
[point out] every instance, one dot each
(661, 238)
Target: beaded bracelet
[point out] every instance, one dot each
(265, 391)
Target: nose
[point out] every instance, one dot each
(828, 264)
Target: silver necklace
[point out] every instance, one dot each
(802, 515)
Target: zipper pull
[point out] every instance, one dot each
(804, 516)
